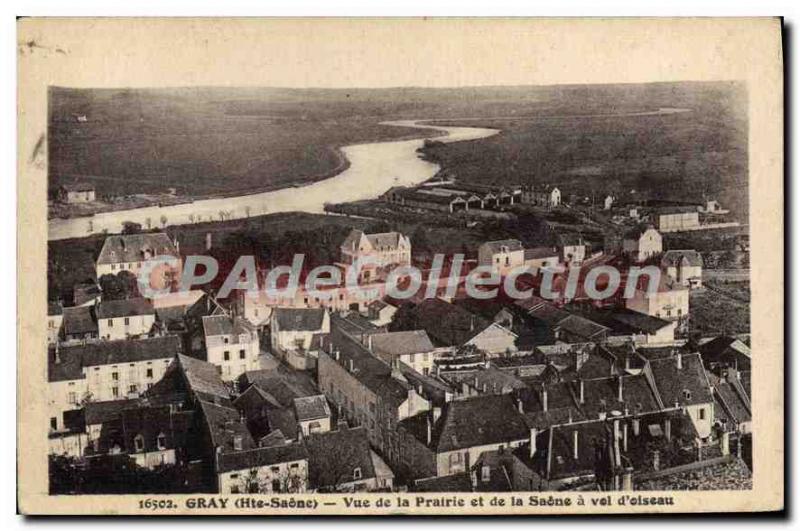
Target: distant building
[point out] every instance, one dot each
(381, 313)
(76, 193)
(501, 255)
(232, 344)
(125, 318)
(55, 316)
(79, 324)
(264, 470)
(684, 267)
(608, 202)
(677, 218)
(547, 196)
(669, 301)
(294, 334)
(642, 243)
(313, 414)
(384, 250)
(712, 207)
(572, 249)
(128, 252)
(539, 258)
(412, 348)
(342, 461)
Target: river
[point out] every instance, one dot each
(374, 168)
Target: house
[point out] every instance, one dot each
(449, 325)
(685, 267)
(232, 344)
(677, 218)
(450, 441)
(366, 391)
(642, 243)
(572, 249)
(501, 255)
(383, 250)
(293, 332)
(128, 252)
(538, 258)
(73, 193)
(608, 202)
(733, 410)
(107, 370)
(411, 347)
(264, 470)
(548, 196)
(79, 324)
(430, 199)
(86, 294)
(725, 353)
(313, 414)
(125, 318)
(642, 328)
(55, 316)
(381, 313)
(668, 301)
(342, 461)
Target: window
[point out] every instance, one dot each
(53, 423)
(234, 489)
(149, 385)
(111, 323)
(241, 354)
(113, 267)
(115, 376)
(115, 392)
(226, 355)
(687, 395)
(225, 340)
(149, 373)
(701, 413)
(138, 443)
(132, 388)
(161, 441)
(73, 399)
(127, 321)
(357, 473)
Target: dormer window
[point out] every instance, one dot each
(687, 395)
(138, 443)
(357, 473)
(161, 441)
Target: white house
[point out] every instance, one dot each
(572, 248)
(412, 347)
(549, 196)
(685, 267)
(501, 255)
(669, 302)
(292, 332)
(274, 469)
(642, 243)
(679, 218)
(232, 344)
(384, 249)
(381, 313)
(125, 318)
(608, 202)
(128, 252)
(72, 193)
(313, 414)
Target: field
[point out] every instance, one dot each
(720, 308)
(593, 140)
(225, 141)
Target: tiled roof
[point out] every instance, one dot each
(124, 308)
(390, 345)
(471, 422)
(203, 377)
(311, 408)
(687, 257)
(685, 386)
(79, 320)
(497, 246)
(74, 358)
(225, 426)
(258, 457)
(107, 410)
(334, 456)
(299, 319)
(222, 325)
(128, 248)
(448, 324)
(639, 321)
(540, 252)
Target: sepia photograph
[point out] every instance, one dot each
(400, 297)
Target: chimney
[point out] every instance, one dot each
(429, 430)
(369, 342)
(580, 392)
(534, 433)
(575, 444)
(668, 429)
(656, 460)
(679, 361)
(58, 354)
(351, 367)
(520, 407)
(636, 427)
(544, 398)
(625, 437)
(619, 389)
(437, 412)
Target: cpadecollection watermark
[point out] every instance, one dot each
(401, 282)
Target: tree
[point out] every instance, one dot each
(131, 227)
(163, 220)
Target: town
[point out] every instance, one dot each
(439, 392)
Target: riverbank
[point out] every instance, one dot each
(371, 169)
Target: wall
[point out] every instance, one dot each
(116, 328)
(238, 479)
(101, 382)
